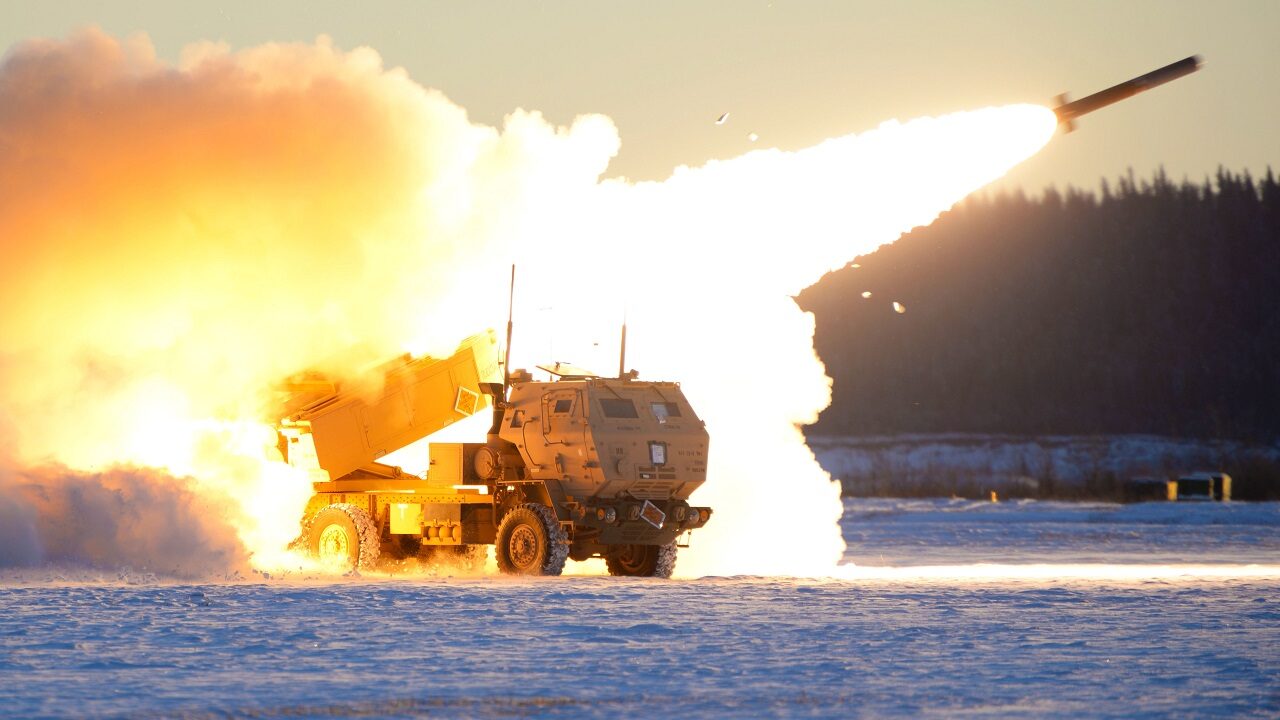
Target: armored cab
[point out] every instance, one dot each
(618, 457)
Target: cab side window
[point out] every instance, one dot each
(618, 408)
(664, 410)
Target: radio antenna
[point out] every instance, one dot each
(511, 304)
(622, 350)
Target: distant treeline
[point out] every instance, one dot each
(1150, 307)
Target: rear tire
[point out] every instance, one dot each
(531, 542)
(343, 537)
(642, 560)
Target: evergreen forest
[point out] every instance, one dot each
(1150, 306)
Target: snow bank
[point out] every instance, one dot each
(905, 463)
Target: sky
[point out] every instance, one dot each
(791, 73)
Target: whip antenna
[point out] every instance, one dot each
(511, 303)
(622, 350)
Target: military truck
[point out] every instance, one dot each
(579, 466)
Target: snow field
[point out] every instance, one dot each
(709, 647)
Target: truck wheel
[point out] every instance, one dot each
(343, 536)
(531, 542)
(642, 560)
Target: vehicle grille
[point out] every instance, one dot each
(652, 489)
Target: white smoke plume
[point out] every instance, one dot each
(174, 239)
(125, 517)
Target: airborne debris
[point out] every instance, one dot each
(899, 307)
(753, 137)
(721, 120)
(866, 294)
(855, 266)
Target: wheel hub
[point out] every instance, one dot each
(335, 546)
(523, 547)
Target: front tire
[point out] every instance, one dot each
(531, 542)
(642, 560)
(343, 537)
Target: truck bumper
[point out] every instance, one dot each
(638, 522)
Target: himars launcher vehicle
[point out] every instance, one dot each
(581, 466)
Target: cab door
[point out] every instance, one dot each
(564, 430)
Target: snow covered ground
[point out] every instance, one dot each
(905, 532)
(911, 635)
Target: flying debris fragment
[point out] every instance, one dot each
(899, 307)
(753, 137)
(1067, 112)
(866, 293)
(721, 120)
(855, 266)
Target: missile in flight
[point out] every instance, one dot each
(1067, 112)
